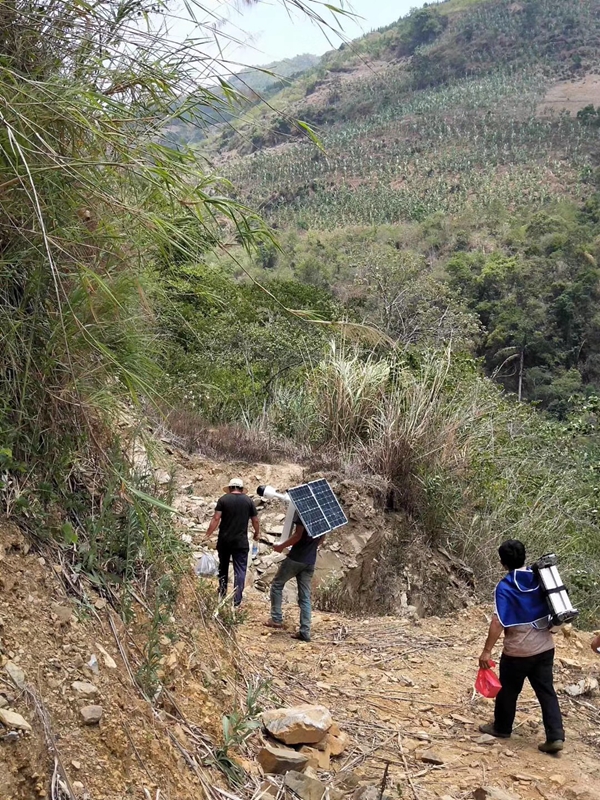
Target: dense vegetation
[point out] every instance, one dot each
(448, 228)
(89, 199)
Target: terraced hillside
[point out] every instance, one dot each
(450, 108)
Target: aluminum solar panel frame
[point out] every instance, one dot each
(317, 507)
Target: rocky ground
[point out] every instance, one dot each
(399, 688)
(403, 690)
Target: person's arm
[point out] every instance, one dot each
(213, 524)
(256, 525)
(494, 634)
(279, 548)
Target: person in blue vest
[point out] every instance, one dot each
(522, 615)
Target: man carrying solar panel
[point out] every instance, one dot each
(299, 564)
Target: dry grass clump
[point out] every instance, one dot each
(231, 442)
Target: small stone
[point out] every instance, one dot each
(85, 688)
(559, 780)
(106, 657)
(319, 759)
(587, 686)
(279, 760)
(76, 765)
(581, 791)
(493, 793)
(78, 786)
(62, 613)
(305, 724)
(348, 781)
(462, 720)
(91, 715)
(162, 477)
(486, 739)
(431, 757)
(569, 662)
(268, 788)
(304, 786)
(16, 674)
(337, 743)
(93, 664)
(13, 721)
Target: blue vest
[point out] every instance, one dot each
(520, 600)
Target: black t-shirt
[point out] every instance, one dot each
(305, 551)
(236, 511)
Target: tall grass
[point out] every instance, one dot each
(460, 465)
(348, 391)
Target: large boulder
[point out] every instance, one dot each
(278, 760)
(298, 725)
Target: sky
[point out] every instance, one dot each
(271, 31)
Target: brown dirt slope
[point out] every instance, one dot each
(137, 750)
(572, 96)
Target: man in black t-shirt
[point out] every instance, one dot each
(299, 564)
(233, 512)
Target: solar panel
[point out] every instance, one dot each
(318, 507)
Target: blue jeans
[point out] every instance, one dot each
(303, 573)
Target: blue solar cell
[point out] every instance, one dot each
(318, 507)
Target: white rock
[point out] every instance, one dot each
(85, 688)
(13, 721)
(305, 724)
(106, 657)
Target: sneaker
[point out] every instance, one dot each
(300, 637)
(488, 728)
(270, 624)
(551, 747)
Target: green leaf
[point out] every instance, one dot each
(312, 135)
(69, 534)
(147, 498)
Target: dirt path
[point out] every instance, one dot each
(403, 690)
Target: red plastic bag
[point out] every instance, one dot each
(487, 682)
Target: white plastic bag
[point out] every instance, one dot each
(207, 566)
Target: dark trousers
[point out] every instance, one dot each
(240, 564)
(538, 670)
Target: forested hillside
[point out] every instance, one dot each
(465, 137)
